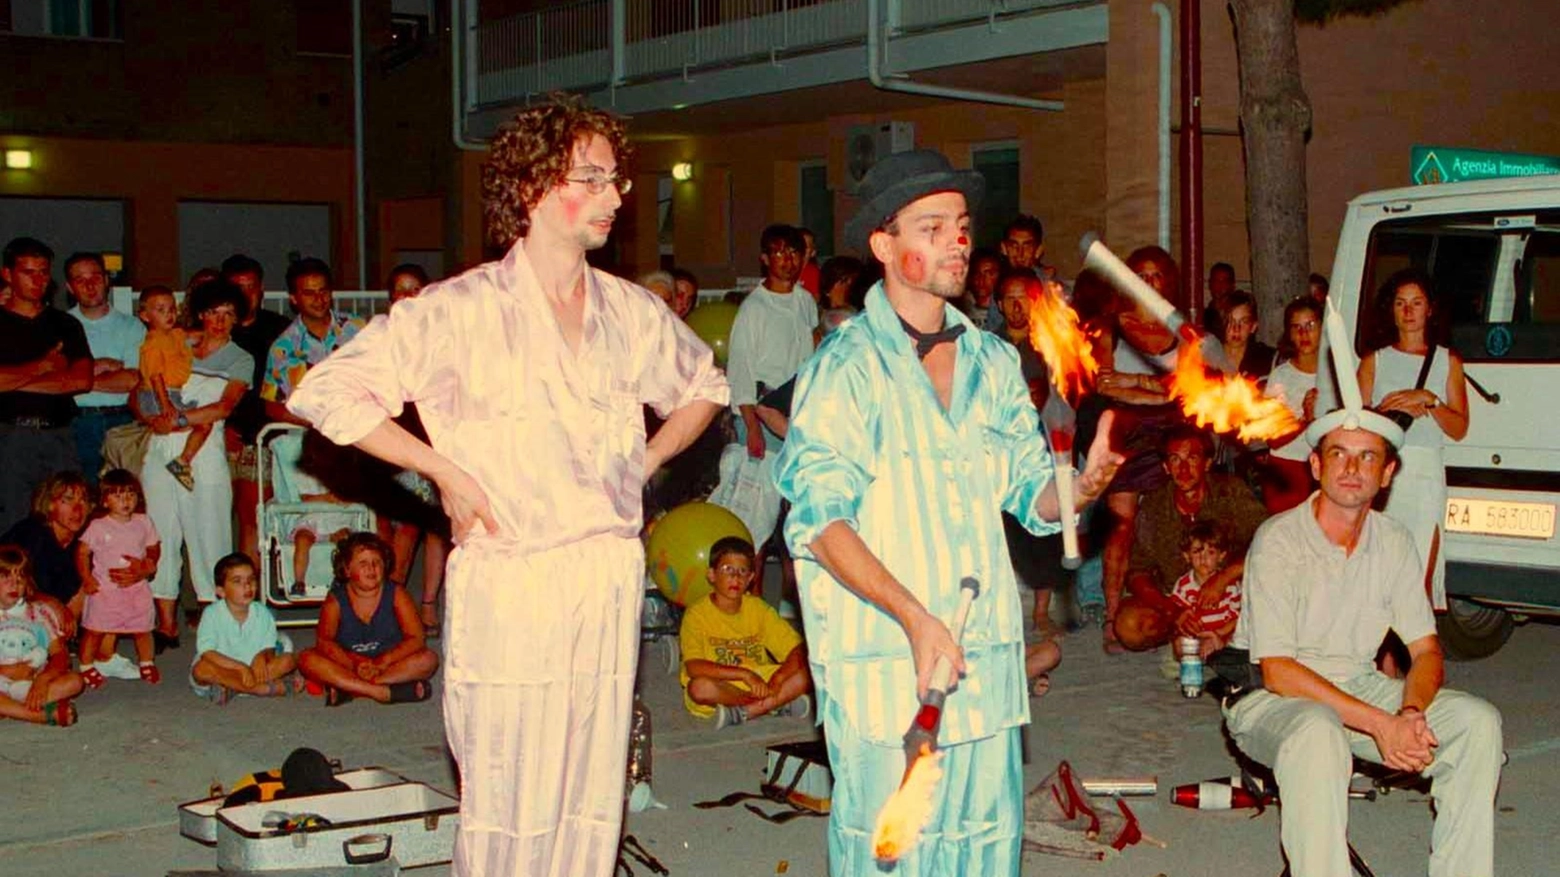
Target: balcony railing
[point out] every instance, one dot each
(570, 48)
(361, 303)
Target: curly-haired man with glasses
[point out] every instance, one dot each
(530, 374)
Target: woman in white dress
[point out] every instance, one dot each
(1438, 411)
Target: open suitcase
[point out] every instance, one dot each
(198, 819)
(381, 817)
(412, 822)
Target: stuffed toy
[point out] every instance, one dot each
(20, 645)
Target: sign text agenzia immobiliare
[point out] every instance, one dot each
(1445, 164)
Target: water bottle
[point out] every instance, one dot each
(1191, 666)
(640, 766)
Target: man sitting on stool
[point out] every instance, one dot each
(1324, 582)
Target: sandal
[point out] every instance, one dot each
(410, 692)
(1040, 685)
(93, 678)
(336, 697)
(182, 474)
(59, 714)
(150, 674)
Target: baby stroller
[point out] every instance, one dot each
(278, 454)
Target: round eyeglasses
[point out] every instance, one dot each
(596, 181)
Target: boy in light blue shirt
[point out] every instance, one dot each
(238, 649)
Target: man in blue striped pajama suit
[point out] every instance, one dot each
(912, 432)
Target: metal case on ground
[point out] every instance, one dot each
(412, 822)
(198, 819)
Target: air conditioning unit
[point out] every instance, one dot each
(866, 144)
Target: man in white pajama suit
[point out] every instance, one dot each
(531, 374)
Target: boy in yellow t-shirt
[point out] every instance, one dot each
(740, 658)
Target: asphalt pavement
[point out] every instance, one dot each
(101, 798)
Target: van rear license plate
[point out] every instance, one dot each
(1526, 520)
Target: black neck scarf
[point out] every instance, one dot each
(926, 341)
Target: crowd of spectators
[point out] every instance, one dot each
(174, 397)
(132, 466)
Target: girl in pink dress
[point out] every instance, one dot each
(116, 557)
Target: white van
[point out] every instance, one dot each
(1492, 249)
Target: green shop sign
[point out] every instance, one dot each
(1441, 164)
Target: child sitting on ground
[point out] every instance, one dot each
(118, 599)
(1206, 549)
(369, 641)
(166, 361)
(740, 658)
(237, 647)
(36, 682)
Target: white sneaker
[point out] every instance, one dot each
(796, 709)
(119, 667)
(728, 716)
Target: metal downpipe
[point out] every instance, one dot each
(891, 82)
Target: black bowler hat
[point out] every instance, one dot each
(308, 772)
(902, 178)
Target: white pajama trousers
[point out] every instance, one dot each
(1310, 751)
(200, 520)
(539, 680)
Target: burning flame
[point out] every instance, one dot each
(1227, 402)
(900, 821)
(1057, 336)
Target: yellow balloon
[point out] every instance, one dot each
(678, 551)
(712, 322)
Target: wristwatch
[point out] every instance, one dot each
(1410, 709)
(182, 422)
(1435, 402)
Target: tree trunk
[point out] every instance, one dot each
(1275, 116)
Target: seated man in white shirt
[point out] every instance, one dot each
(1324, 582)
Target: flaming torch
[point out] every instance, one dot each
(1061, 424)
(1221, 402)
(1228, 402)
(900, 821)
(1098, 258)
(1068, 351)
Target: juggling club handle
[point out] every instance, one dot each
(1062, 449)
(1098, 258)
(942, 671)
